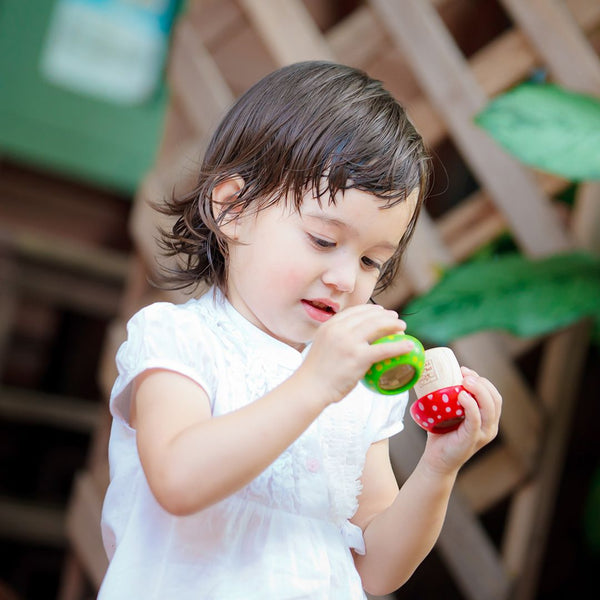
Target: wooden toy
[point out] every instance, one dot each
(397, 374)
(437, 408)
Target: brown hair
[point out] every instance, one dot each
(301, 125)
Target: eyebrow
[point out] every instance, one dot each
(343, 225)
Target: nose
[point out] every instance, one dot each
(341, 274)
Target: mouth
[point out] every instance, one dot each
(320, 310)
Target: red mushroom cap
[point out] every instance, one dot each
(439, 411)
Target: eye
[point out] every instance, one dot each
(320, 242)
(369, 263)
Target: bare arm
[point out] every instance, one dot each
(401, 527)
(192, 460)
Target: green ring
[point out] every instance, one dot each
(414, 359)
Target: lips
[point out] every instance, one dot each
(320, 309)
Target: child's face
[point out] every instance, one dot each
(294, 270)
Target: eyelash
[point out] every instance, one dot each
(322, 244)
(371, 264)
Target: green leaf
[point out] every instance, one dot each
(547, 127)
(512, 293)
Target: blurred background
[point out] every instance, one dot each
(105, 106)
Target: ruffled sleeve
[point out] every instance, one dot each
(387, 415)
(165, 336)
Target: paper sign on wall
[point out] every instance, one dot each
(111, 49)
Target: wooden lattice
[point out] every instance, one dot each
(219, 49)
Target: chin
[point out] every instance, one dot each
(297, 342)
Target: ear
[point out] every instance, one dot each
(223, 195)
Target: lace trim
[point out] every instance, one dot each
(336, 439)
(344, 455)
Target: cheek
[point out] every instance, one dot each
(364, 289)
(292, 276)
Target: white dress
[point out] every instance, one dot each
(287, 534)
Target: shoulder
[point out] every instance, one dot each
(185, 331)
(158, 311)
(165, 319)
(182, 338)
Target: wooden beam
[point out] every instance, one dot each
(445, 75)
(83, 527)
(288, 30)
(31, 522)
(8, 302)
(73, 290)
(48, 409)
(214, 20)
(489, 478)
(177, 133)
(66, 272)
(72, 580)
(463, 543)
(527, 528)
(464, 229)
(499, 65)
(520, 425)
(471, 555)
(585, 222)
(426, 256)
(575, 64)
(66, 254)
(107, 371)
(476, 221)
(145, 221)
(361, 24)
(552, 29)
(197, 83)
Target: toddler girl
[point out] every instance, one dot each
(247, 461)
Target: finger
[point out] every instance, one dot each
(370, 325)
(488, 406)
(467, 371)
(473, 417)
(390, 349)
(366, 311)
(494, 394)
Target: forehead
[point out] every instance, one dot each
(361, 213)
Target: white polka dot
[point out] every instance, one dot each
(430, 420)
(459, 412)
(430, 396)
(445, 398)
(439, 417)
(448, 409)
(421, 406)
(434, 407)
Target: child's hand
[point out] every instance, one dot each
(342, 352)
(447, 452)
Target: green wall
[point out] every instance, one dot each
(82, 137)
